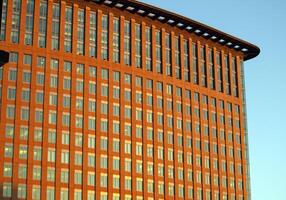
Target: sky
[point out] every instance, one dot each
(263, 23)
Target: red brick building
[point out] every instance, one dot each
(120, 100)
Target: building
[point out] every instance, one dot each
(120, 100)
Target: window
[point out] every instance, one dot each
(26, 77)
(104, 37)
(54, 81)
(27, 59)
(116, 92)
(79, 86)
(168, 54)
(138, 46)
(16, 8)
(50, 193)
(148, 47)
(54, 64)
(39, 116)
(104, 74)
(103, 180)
(22, 172)
(177, 58)
(127, 43)
(104, 90)
(52, 136)
(22, 191)
(91, 179)
(116, 181)
(42, 24)
(68, 29)
(67, 66)
(219, 71)
(37, 153)
(65, 138)
(127, 79)
(211, 68)
(24, 132)
(26, 95)
(203, 66)
(11, 93)
(158, 52)
(227, 74)
(91, 123)
(65, 157)
(116, 40)
(3, 21)
(7, 190)
(10, 112)
(116, 164)
(55, 26)
(92, 34)
(80, 31)
(52, 117)
(195, 65)
(36, 173)
(7, 170)
(12, 75)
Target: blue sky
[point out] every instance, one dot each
(262, 22)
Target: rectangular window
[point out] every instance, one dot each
(41, 61)
(7, 190)
(16, 17)
(234, 77)
(219, 71)
(158, 52)
(177, 58)
(194, 63)
(104, 37)
(138, 46)
(42, 24)
(3, 21)
(29, 22)
(26, 77)
(80, 32)
(227, 74)
(211, 69)
(203, 66)
(116, 40)
(168, 54)
(13, 57)
(186, 61)
(148, 47)
(92, 34)
(22, 191)
(127, 43)
(68, 29)
(55, 26)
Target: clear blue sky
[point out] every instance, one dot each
(262, 22)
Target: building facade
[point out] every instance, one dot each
(120, 100)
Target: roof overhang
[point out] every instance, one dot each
(249, 50)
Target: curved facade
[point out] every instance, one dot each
(119, 100)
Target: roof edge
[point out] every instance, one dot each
(167, 17)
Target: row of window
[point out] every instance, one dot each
(77, 193)
(180, 173)
(116, 76)
(204, 61)
(115, 147)
(66, 117)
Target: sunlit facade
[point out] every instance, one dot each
(119, 100)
